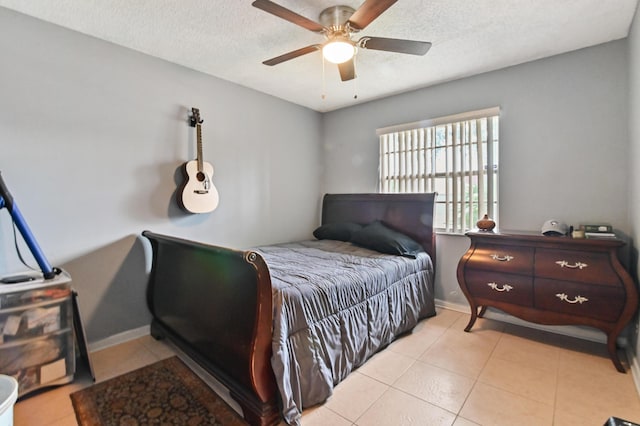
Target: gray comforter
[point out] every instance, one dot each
(335, 305)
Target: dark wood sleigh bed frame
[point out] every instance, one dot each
(215, 303)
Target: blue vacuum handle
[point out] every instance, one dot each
(6, 200)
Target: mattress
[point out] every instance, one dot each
(334, 306)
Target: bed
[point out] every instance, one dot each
(275, 324)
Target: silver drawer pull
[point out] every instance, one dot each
(505, 258)
(577, 265)
(496, 287)
(578, 299)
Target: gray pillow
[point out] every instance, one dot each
(376, 236)
(337, 231)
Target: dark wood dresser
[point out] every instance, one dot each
(550, 280)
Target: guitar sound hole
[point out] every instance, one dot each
(200, 176)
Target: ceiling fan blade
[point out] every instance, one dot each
(347, 70)
(369, 11)
(395, 45)
(293, 54)
(288, 15)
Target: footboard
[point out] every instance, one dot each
(216, 305)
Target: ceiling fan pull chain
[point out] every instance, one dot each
(323, 80)
(355, 80)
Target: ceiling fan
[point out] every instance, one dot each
(338, 24)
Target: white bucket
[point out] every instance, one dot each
(8, 397)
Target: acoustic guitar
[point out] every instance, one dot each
(198, 195)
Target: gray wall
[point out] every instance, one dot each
(563, 142)
(634, 163)
(92, 137)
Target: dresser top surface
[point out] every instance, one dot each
(533, 238)
(39, 282)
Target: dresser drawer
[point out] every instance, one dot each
(592, 301)
(580, 266)
(502, 258)
(36, 319)
(40, 361)
(34, 352)
(508, 288)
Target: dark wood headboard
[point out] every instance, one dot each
(411, 214)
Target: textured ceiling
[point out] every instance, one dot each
(230, 39)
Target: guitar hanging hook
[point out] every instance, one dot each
(195, 117)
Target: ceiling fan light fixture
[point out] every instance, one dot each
(338, 51)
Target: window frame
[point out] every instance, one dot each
(460, 174)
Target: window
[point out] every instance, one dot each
(455, 156)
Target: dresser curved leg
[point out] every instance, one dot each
(474, 316)
(613, 352)
(483, 309)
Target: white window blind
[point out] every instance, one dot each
(455, 156)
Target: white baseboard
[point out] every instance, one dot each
(634, 366)
(586, 333)
(572, 331)
(136, 333)
(221, 390)
(119, 338)
(566, 330)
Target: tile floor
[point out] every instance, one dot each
(499, 374)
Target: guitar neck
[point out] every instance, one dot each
(199, 143)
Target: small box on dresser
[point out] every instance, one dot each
(550, 280)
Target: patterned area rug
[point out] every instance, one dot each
(164, 393)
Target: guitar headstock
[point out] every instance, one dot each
(195, 117)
